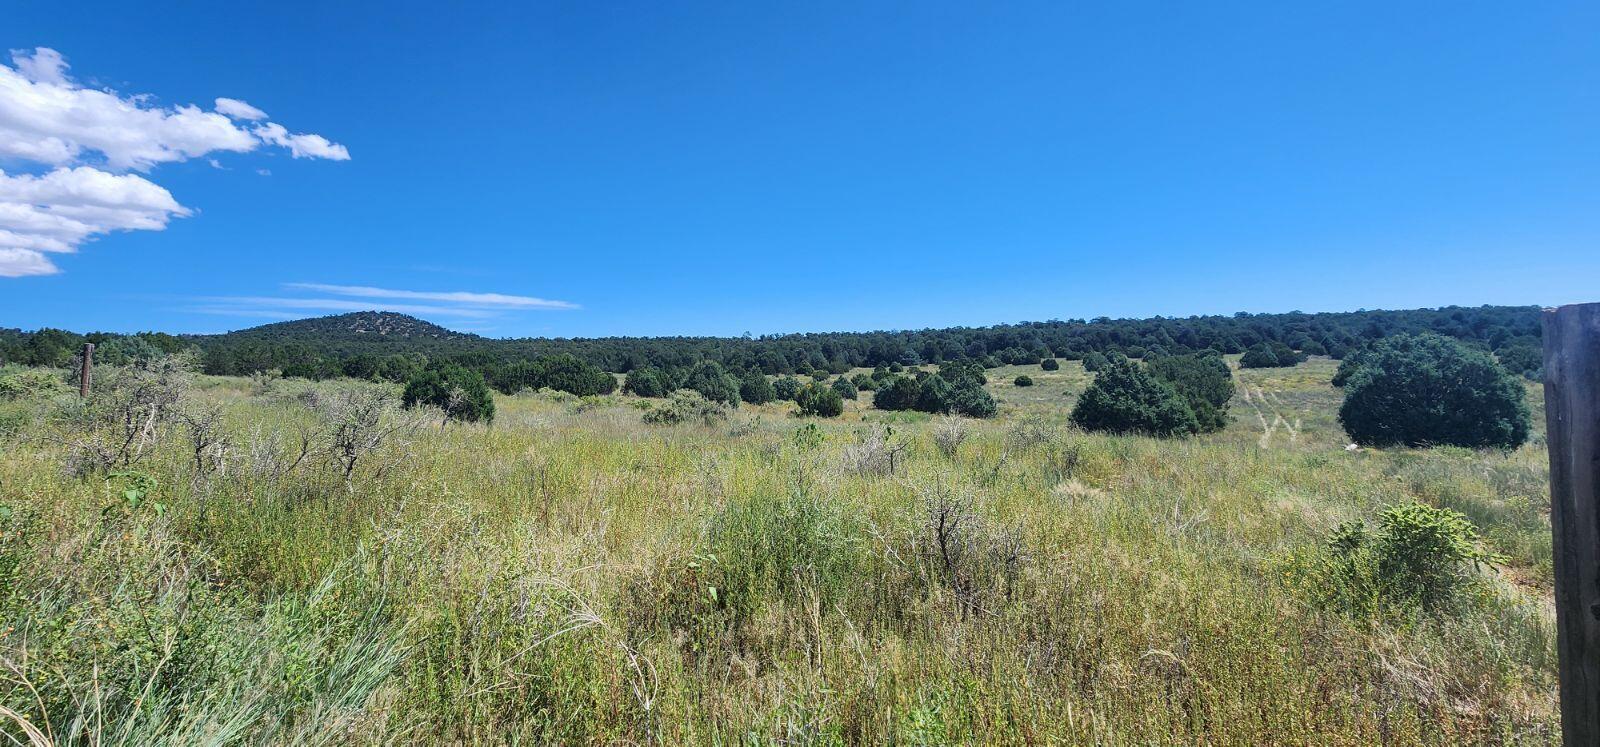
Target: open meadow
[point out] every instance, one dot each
(278, 561)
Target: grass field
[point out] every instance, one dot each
(573, 575)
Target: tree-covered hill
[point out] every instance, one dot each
(368, 344)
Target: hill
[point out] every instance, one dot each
(366, 325)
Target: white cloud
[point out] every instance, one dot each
(45, 65)
(16, 263)
(58, 211)
(302, 146)
(239, 109)
(47, 117)
(82, 138)
(466, 298)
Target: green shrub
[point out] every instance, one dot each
(845, 388)
(649, 382)
(819, 400)
(786, 388)
(686, 406)
(971, 400)
(1523, 360)
(460, 392)
(1050, 364)
(1348, 367)
(1023, 380)
(17, 382)
(1125, 398)
(1271, 354)
(1095, 362)
(755, 388)
(1422, 390)
(864, 382)
(898, 393)
(1204, 382)
(712, 382)
(1259, 355)
(1420, 557)
(563, 373)
(934, 395)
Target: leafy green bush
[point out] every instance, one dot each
(1095, 362)
(1050, 364)
(1269, 355)
(713, 382)
(1422, 390)
(845, 388)
(755, 388)
(934, 395)
(1524, 360)
(563, 373)
(1420, 557)
(17, 382)
(864, 382)
(786, 388)
(1204, 382)
(460, 392)
(1023, 380)
(686, 406)
(1125, 398)
(1258, 356)
(971, 400)
(898, 393)
(649, 382)
(820, 400)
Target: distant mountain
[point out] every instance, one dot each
(359, 325)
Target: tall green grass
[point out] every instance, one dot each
(573, 575)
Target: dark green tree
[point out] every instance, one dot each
(713, 382)
(755, 388)
(819, 400)
(1125, 398)
(1422, 390)
(460, 392)
(786, 388)
(649, 381)
(898, 393)
(1204, 382)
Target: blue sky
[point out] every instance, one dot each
(717, 168)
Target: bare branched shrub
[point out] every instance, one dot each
(125, 414)
(208, 441)
(272, 453)
(948, 435)
(876, 454)
(1029, 432)
(358, 421)
(979, 564)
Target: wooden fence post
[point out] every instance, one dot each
(1572, 415)
(85, 368)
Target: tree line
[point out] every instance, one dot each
(328, 347)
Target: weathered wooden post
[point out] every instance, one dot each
(84, 369)
(1572, 415)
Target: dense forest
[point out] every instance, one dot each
(394, 346)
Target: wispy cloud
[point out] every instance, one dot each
(235, 305)
(468, 310)
(464, 298)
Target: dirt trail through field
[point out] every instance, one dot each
(1264, 403)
